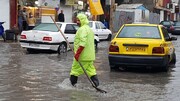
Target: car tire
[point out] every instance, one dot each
(166, 67)
(62, 48)
(173, 61)
(96, 43)
(118, 68)
(109, 37)
(172, 33)
(29, 50)
(113, 68)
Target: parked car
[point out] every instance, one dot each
(45, 36)
(100, 30)
(142, 45)
(168, 25)
(176, 28)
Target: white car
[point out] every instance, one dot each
(46, 36)
(100, 30)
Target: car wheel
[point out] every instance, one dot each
(113, 68)
(96, 43)
(173, 61)
(117, 68)
(29, 50)
(166, 67)
(62, 48)
(109, 37)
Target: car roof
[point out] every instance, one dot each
(141, 24)
(59, 23)
(165, 21)
(94, 21)
(65, 22)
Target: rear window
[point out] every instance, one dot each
(166, 23)
(149, 32)
(177, 23)
(47, 27)
(76, 26)
(90, 24)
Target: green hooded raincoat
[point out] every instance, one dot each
(84, 37)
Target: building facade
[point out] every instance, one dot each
(8, 12)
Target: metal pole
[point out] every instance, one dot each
(179, 11)
(112, 15)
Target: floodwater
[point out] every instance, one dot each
(44, 76)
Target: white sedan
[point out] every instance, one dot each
(45, 36)
(100, 30)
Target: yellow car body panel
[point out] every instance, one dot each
(125, 43)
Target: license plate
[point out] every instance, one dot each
(135, 49)
(33, 45)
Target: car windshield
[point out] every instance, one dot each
(47, 27)
(90, 24)
(177, 24)
(102, 25)
(166, 23)
(149, 32)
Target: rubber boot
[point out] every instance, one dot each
(73, 79)
(95, 80)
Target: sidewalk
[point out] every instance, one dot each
(10, 41)
(1, 39)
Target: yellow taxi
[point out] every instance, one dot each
(142, 45)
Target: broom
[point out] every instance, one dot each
(92, 83)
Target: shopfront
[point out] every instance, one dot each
(8, 13)
(41, 9)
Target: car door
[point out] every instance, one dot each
(104, 31)
(94, 27)
(169, 46)
(70, 32)
(98, 30)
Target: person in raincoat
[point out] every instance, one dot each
(84, 50)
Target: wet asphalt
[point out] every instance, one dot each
(44, 76)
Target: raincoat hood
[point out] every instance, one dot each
(83, 19)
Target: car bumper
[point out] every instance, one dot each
(39, 45)
(176, 32)
(122, 60)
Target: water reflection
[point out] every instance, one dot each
(25, 77)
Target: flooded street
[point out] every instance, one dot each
(44, 76)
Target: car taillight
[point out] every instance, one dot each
(47, 38)
(23, 37)
(113, 48)
(158, 50)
